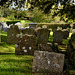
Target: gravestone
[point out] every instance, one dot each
(33, 25)
(58, 36)
(44, 26)
(1, 26)
(45, 47)
(4, 26)
(19, 25)
(73, 31)
(72, 40)
(29, 31)
(65, 33)
(73, 36)
(26, 45)
(47, 62)
(42, 36)
(71, 49)
(12, 33)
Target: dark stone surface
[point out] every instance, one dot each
(12, 33)
(58, 36)
(42, 36)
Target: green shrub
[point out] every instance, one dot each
(39, 16)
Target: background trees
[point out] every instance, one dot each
(65, 9)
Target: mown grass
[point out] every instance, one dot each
(11, 64)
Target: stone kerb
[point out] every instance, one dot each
(47, 62)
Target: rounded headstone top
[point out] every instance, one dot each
(44, 26)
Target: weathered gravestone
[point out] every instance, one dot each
(33, 25)
(71, 49)
(42, 36)
(45, 47)
(65, 33)
(19, 25)
(72, 40)
(29, 31)
(1, 26)
(47, 62)
(12, 34)
(73, 36)
(73, 31)
(4, 24)
(58, 36)
(26, 45)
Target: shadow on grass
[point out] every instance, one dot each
(3, 38)
(7, 53)
(16, 70)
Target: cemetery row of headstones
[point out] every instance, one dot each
(45, 59)
(4, 26)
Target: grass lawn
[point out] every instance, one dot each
(11, 64)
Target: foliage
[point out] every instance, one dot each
(39, 16)
(66, 11)
(13, 14)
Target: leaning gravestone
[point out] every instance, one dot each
(42, 36)
(26, 45)
(12, 34)
(47, 62)
(29, 31)
(65, 33)
(58, 36)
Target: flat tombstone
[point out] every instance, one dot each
(47, 62)
(42, 36)
(58, 36)
(11, 34)
(33, 25)
(26, 45)
(65, 33)
(29, 31)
